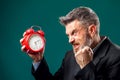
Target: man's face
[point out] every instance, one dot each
(78, 35)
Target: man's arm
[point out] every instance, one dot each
(111, 72)
(87, 73)
(42, 72)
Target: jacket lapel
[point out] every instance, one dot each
(101, 51)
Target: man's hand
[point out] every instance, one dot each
(84, 56)
(37, 56)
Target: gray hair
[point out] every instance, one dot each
(84, 14)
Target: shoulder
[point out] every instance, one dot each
(114, 48)
(113, 53)
(69, 54)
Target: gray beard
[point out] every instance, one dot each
(88, 42)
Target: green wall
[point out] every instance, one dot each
(18, 15)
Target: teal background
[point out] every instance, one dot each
(18, 15)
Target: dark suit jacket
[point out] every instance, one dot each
(105, 66)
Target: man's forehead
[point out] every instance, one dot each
(72, 26)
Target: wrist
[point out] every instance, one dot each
(36, 60)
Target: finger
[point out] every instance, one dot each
(88, 49)
(79, 51)
(90, 52)
(24, 33)
(23, 48)
(21, 40)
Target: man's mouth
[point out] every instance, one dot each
(76, 46)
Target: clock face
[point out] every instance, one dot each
(36, 42)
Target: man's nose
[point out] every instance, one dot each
(71, 39)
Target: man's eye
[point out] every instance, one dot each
(74, 32)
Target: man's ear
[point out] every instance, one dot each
(92, 30)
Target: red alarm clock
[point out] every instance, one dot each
(33, 41)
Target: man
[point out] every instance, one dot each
(93, 57)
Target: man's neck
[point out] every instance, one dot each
(96, 41)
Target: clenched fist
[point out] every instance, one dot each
(84, 56)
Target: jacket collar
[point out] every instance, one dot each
(101, 49)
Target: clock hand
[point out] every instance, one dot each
(36, 43)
